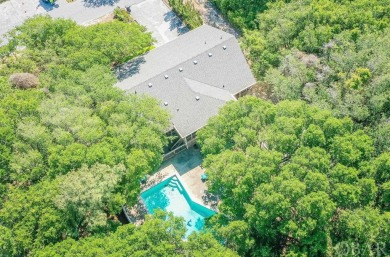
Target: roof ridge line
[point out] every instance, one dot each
(185, 77)
(212, 87)
(182, 61)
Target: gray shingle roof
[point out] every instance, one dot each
(220, 72)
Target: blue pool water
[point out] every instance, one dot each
(171, 196)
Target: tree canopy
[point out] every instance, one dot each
(298, 180)
(74, 148)
(295, 179)
(332, 54)
(187, 12)
(160, 235)
(306, 174)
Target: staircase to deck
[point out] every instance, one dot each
(175, 183)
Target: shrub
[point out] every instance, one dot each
(122, 15)
(24, 80)
(187, 12)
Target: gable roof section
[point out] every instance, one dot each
(204, 89)
(214, 79)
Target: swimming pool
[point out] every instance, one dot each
(171, 196)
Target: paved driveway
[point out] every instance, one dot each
(153, 14)
(14, 12)
(159, 19)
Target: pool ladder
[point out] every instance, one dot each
(175, 184)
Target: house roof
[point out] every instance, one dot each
(193, 76)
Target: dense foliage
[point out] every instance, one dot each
(330, 53)
(242, 13)
(72, 150)
(158, 236)
(122, 15)
(296, 181)
(187, 12)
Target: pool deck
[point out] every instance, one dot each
(191, 179)
(187, 167)
(196, 186)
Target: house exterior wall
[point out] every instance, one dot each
(244, 92)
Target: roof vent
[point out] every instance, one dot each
(166, 76)
(180, 69)
(224, 47)
(210, 54)
(177, 109)
(195, 62)
(150, 85)
(166, 103)
(197, 98)
(223, 86)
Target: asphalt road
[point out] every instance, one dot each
(153, 14)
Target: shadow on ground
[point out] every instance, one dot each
(98, 3)
(47, 6)
(129, 69)
(175, 23)
(214, 18)
(185, 161)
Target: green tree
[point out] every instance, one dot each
(160, 235)
(86, 194)
(65, 146)
(82, 47)
(187, 12)
(6, 241)
(31, 218)
(360, 228)
(329, 53)
(288, 196)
